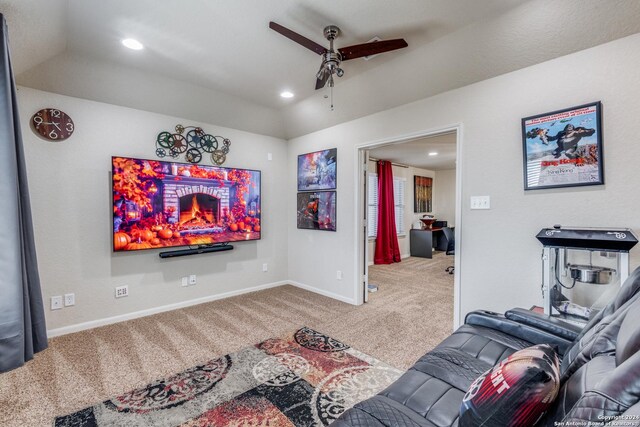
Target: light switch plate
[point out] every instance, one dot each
(480, 202)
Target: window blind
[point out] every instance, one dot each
(399, 185)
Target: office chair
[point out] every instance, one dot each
(450, 236)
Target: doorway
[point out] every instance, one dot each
(424, 143)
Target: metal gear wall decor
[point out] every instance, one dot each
(193, 144)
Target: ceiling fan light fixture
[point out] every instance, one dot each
(286, 94)
(132, 44)
(331, 58)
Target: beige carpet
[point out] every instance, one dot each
(410, 314)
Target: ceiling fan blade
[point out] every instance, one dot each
(372, 48)
(309, 44)
(320, 82)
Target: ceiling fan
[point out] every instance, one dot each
(331, 58)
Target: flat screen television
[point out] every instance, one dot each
(159, 204)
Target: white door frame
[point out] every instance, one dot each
(360, 237)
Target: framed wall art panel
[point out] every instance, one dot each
(563, 148)
(317, 210)
(422, 194)
(317, 170)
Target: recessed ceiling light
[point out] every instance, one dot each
(433, 153)
(132, 44)
(286, 94)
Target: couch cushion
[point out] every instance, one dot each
(428, 396)
(452, 366)
(485, 344)
(630, 290)
(381, 411)
(599, 341)
(628, 339)
(585, 378)
(605, 339)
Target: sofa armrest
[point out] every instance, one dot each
(525, 332)
(546, 323)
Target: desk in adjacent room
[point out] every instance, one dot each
(422, 242)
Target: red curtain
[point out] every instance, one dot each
(387, 249)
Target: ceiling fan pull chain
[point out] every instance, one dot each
(331, 97)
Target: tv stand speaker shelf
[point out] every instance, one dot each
(202, 250)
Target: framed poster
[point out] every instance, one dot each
(317, 170)
(317, 210)
(422, 194)
(563, 148)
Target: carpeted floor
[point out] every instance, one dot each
(302, 379)
(411, 313)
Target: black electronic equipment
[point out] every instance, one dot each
(614, 239)
(195, 251)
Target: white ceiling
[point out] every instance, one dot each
(223, 54)
(227, 45)
(416, 153)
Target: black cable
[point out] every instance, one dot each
(556, 274)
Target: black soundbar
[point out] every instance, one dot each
(201, 250)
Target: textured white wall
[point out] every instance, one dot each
(444, 196)
(70, 188)
(500, 258)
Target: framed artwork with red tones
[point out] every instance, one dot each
(422, 194)
(317, 210)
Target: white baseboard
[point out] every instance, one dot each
(321, 292)
(142, 313)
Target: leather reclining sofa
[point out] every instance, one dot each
(599, 369)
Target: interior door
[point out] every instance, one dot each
(365, 209)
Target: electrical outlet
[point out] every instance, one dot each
(69, 300)
(122, 291)
(339, 275)
(56, 302)
(192, 279)
(269, 156)
(185, 281)
(265, 267)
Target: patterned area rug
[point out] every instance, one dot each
(303, 379)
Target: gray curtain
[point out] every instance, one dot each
(22, 324)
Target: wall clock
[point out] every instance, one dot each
(52, 124)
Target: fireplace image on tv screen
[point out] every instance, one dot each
(160, 204)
